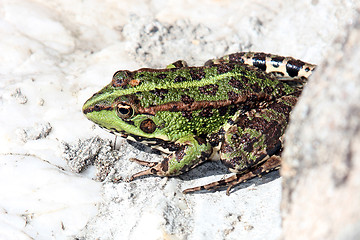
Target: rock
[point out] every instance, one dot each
(321, 170)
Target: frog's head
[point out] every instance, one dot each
(117, 109)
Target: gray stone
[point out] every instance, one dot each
(321, 169)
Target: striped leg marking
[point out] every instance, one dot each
(273, 163)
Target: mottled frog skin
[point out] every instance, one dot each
(234, 109)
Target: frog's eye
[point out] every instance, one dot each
(124, 111)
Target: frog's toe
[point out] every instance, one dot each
(143, 163)
(155, 169)
(152, 170)
(139, 174)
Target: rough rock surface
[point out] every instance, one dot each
(321, 172)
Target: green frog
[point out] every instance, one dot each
(234, 109)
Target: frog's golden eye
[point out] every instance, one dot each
(124, 111)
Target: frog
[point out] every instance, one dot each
(234, 109)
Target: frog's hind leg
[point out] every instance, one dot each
(252, 142)
(271, 164)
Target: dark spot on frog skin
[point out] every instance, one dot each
(275, 149)
(222, 111)
(199, 140)
(187, 114)
(235, 136)
(261, 54)
(97, 108)
(148, 126)
(224, 68)
(293, 67)
(257, 123)
(255, 86)
(210, 89)
(226, 148)
(129, 122)
(174, 108)
(232, 96)
(233, 162)
(244, 79)
(272, 132)
(206, 112)
(155, 171)
(180, 154)
(281, 107)
(187, 99)
(121, 133)
(277, 61)
(165, 164)
(215, 138)
(179, 79)
(161, 76)
(233, 110)
(235, 83)
(259, 61)
(197, 74)
(248, 142)
(204, 156)
(168, 145)
(160, 92)
(280, 89)
(252, 98)
(236, 57)
(268, 90)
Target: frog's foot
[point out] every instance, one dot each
(156, 168)
(271, 164)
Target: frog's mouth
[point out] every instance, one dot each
(156, 143)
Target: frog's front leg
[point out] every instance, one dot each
(191, 151)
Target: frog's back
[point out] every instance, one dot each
(197, 99)
(227, 82)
